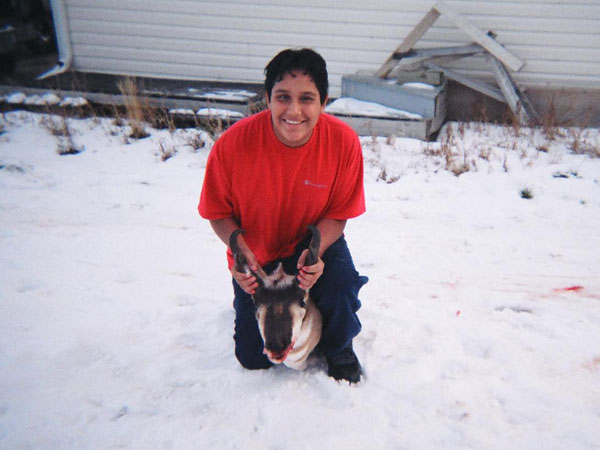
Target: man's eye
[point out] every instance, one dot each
(283, 98)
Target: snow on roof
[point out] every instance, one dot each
(352, 107)
(224, 95)
(220, 113)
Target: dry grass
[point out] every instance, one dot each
(137, 108)
(59, 127)
(166, 150)
(383, 176)
(550, 122)
(196, 141)
(214, 126)
(582, 144)
(453, 162)
(257, 106)
(526, 193)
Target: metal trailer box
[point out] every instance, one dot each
(428, 103)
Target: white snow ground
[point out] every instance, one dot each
(481, 320)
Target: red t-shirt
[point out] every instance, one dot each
(275, 191)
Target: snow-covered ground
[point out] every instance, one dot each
(481, 320)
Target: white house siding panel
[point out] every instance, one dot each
(233, 40)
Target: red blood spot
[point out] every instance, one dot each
(569, 289)
(458, 312)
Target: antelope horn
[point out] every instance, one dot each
(313, 247)
(238, 256)
(241, 264)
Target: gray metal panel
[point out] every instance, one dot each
(372, 89)
(369, 126)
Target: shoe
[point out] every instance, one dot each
(345, 366)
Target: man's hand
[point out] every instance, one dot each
(223, 228)
(308, 275)
(247, 281)
(330, 230)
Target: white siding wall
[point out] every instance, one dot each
(233, 40)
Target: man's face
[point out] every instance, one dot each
(295, 108)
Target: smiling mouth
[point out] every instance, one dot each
(293, 122)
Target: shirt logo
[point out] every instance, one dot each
(316, 185)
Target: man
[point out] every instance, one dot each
(272, 175)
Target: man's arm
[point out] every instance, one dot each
(224, 227)
(331, 230)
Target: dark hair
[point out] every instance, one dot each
(305, 60)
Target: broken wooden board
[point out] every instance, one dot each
(476, 85)
(240, 100)
(184, 110)
(516, 99)
(416, 59)
(409, 42)
(440, 8)
(479, 36)
(465, 50)
(435, 78)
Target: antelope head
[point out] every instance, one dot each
(281, 304)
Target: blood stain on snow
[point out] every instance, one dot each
(569, 289)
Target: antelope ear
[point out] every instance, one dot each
(303, 301)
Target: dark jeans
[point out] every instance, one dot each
(335, 294)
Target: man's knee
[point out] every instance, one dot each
(252, 361)
(340, 281)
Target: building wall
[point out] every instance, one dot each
(233, 40)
